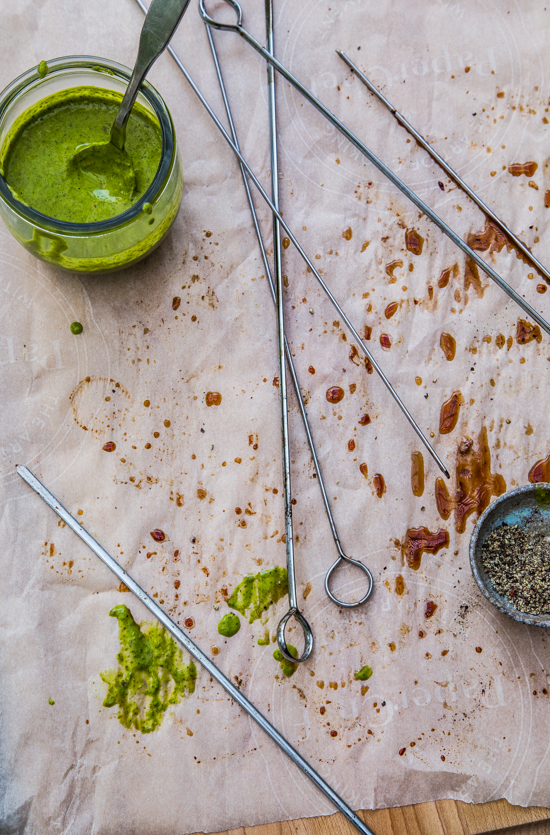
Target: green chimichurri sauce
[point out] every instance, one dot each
(37, 157)
(229, 625)
(287, 667)
(256, 592)
(363, 674)
(151, 676)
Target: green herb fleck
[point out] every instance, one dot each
(76, 328)
(42, 69)
(287, 667)
(51, 702)
(229, 625)
(363, 674)
(151, 676)
(256, 592)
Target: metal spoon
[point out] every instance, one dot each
(106, 165)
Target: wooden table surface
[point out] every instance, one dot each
(441, 817)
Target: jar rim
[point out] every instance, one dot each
(20, 84)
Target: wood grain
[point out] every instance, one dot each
(440, 817)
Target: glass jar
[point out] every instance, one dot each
(108, 245)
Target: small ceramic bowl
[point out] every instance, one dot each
(527, 506)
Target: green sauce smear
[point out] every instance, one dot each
(229, 625)
(51, 702)
(363, 674)
(42, 69)
(264, 642)
(287, 667)
(257, 592)
(542, 496)
(152, 674)
(37, 157)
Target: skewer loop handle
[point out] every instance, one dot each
(229, 27)
(306, 629)
(363, 568)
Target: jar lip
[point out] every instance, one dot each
(90, 62)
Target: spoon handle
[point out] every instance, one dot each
(160, 24)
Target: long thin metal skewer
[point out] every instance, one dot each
(342, 557)
(293, 611)
(446, 167)
(307, 260)
(525, 306)
(193, 649)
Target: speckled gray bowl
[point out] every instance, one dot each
(528, 506)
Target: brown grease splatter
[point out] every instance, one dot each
(430, 609)
(448, 346)
(364, 470)
(110, 446)
(414, 242)
(347, 233)
(475, 484)
(526, 332)
(443, 279)
(399, 585)
(364, 420)
(158, 535)
(419, 540)
(547, 199)
(176, 301)
(335, 394)
(417, 473)
(213, 398)
(519, 168)
(450, 411)
(391, 309)
(351, 445)
(379, 485)
(385, 340)
(540, 472)
(391, 267)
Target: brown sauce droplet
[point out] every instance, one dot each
(414, 242)
(347, 233)
(353, 354)
(391, 267)
(479, 649)
(450, 411)
(475, 484)
(547, 199)
(213, 398)
(519, 168)
(311, 369)
(379, 485)
(110, 446)
(368, 366)
(448, 346)
(158, 535)
(391, 309)
(500, 340)
(189, 623)
(430, 609)
(385, 340)
(526, 332)
(286, 243)
(351, 445)
(176, 301)
(364, 470)
(417, 473)
(399, 585)
(443, 279)
(335, 394)
(202, 493)
(419, 540)
(364, 420)
(540, 472)
(402, 751)
(541, 288)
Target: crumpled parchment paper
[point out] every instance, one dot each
(460, 712)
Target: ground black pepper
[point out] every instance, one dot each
(517, 562)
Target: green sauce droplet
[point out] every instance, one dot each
(229, 625)
(256, 592)
(147, 208)
(151, 676)
(51, 702)
(363, 674)
(542, 496)
(264, 642)
(42, 69)
(76, 328)
(287, 667)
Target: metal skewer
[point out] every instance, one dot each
(237, 27)
(307, 260)
(446, 167)
(193, 650)
(293, 611)
(342, 557)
